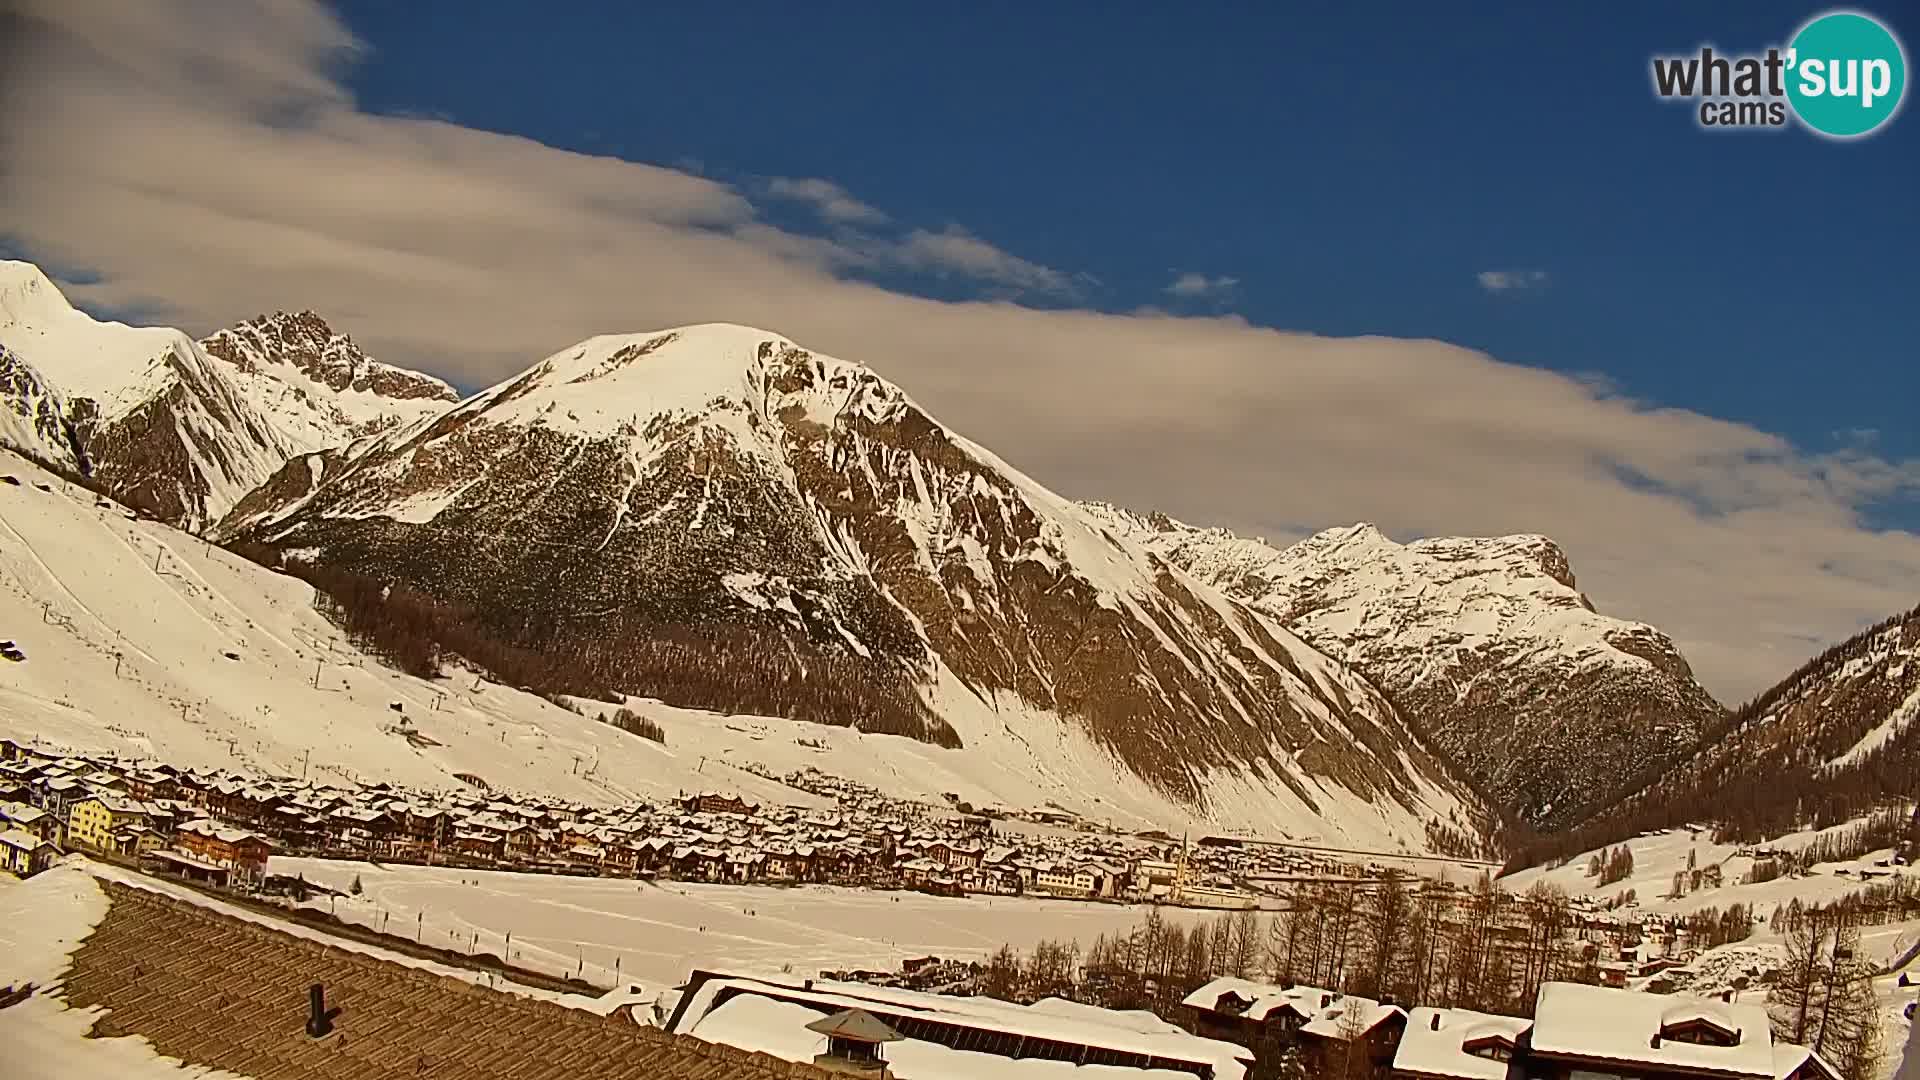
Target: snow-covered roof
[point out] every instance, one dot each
(24, 841)
(1440, 1050)
(1266, 998)
(1124, 1032)
(1332, 1021)
(1600, 1024)
(1788, 1058)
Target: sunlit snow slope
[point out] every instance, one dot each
(128, 624)
(719, 517)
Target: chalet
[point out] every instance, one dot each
(24, 854)
(480, 844)
(89, 823)
(1350, 1030)
(30, 819)
(360, 827)
(709, 802)
(146, 784)
(137, 840)
(102, 780)
(1249, 1012)
(57, 794)
(1459, 1044)
(242, 852)
(1583, 1030)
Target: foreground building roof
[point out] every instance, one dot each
(219, 992)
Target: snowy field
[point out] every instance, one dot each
(660, 932)
(142, 640)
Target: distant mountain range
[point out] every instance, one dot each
(718, 517)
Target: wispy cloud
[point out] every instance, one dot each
(1511, 280)
(954, 250)
(1189, 284)
(212, 167)
(827, 198)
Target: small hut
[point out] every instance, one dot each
(854, 1038)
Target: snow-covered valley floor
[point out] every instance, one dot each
(660, 932)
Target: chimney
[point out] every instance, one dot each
(807, 985)
(319, 1017)
(1436, 1021)
(1655, 1041)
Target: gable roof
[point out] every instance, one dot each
(1789, 1059)
(1593, 1023)
(1431, 1050)
(222, 993)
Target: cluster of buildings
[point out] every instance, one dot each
(222, 826)
(1577, 1030)
(1230, 1029)
(52, 804)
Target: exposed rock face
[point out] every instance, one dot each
(1486, 645)
(792, 517)
(305, 343)
(317, 384)
(33, 416)
(176, 429)
(723, 519)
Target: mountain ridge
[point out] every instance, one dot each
(1486, 643)
(720, 504)
(807, 504)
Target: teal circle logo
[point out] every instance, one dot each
(1846, 74)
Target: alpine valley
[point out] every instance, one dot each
(721, 526)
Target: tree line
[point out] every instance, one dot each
(1721, 782)
(734, 669)
(1395, 940)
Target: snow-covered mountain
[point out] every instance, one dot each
(1486, 644)
(143, 410)
(318, 384)
(1835, 740)
(173, 428)
(718, 517)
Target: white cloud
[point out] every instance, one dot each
(828, 199)
(210, 168)
(954, 250)
(1190, 284)
(1506, 280)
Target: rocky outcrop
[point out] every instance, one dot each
(1486, 644)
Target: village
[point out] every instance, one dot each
(1494, 979)
(221, 826)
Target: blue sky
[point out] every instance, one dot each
(1353, 167)
(1699, 379)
